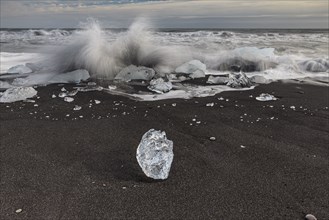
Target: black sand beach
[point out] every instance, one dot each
(269, 161)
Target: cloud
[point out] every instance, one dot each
(170, 13)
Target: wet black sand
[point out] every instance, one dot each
(55, 166)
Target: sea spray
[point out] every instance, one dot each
(90, 50)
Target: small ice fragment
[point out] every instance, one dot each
(266, 97)
(194, 119)
(97, 102)
(68, 99)
(72, 93)
(212, 138)
(77, 108)
(19, 69)
(19, 210)
(62, 94)
(53, 96)
(133, 72)
(68, 115)
(198, 122)
(174, 104)
(112, 87)
(155, 154)
(124, 187)
(220, 98)
(81, 116)
(210, 104)
(160, 86)
(217, 80)
(63, 89)
(17, 94)
(29, 100)
(310, 217)
(35, 105)
(293, 107)
(242, 146)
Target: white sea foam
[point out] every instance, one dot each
(105, 53)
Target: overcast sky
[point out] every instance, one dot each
(166, 13)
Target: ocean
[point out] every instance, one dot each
(270, 53)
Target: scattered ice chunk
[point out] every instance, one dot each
(29, 100)
(19, 210)
(160, 86)
(133, 72)
(242, 146)
(239, 80)
(266, 97)
(212, 138)
(68, 99)
(97, 102)
(70, 77)
(193, 68)
(293, 107)
(173, 104)
(62, 94)
(210, 104)
(53, 96)
(19, 69)
(112, 87)
(155, 154)
(77, 108)
(218, 80)
(317, 65)
(18, 94)
(310, 217)
(63, 89)
(72, 93)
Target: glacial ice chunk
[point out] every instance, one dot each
(239, 80)
(160, 86)
(218, 80)
(19, 69)
(193, 68)
(155, 154)
(70, 77)
(317, 65)
(266, 97)
(17, 94)
(133, 72)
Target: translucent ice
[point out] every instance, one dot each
(133, 72)
(193, 68)
(18, 94)
(160, 86)
(266, 97)
(70, 77)
(20, 69)
(155, 154)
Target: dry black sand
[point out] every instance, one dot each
(54, 166)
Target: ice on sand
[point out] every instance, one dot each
(19, 69)
(239, 80)
(266, 97)
(193, 68)
(68, 99)
(155, 154)
(18, 94)
(160, 86)
(133, 72)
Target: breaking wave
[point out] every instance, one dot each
(90, 50)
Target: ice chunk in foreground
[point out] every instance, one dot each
(71, 77)
(19, 69)
(160, 86)
(155, 154)
(266, 97)
(193, 68)
(239, 80)
(133, 72)
(18, 94)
